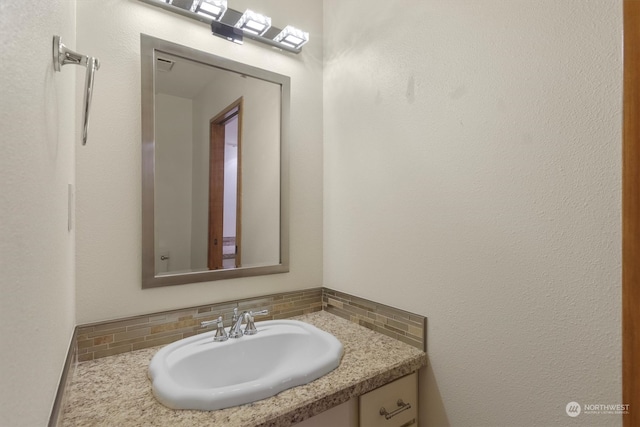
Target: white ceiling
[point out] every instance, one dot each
(188, 78)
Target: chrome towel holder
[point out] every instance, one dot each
(62, 55)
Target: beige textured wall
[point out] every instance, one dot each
(108, 171)
(38, 133)
(472, 175)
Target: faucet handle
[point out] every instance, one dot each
(208, 323)
(221, 333)
(250, 329)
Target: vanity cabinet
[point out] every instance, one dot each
(364, 411)
(392, 405)
(344, 415)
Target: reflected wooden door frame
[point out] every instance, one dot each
(216, 185)
(631, 216)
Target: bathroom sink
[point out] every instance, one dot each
(198, 373)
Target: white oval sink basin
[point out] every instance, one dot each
(198, 373)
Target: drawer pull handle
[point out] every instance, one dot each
(401, 407)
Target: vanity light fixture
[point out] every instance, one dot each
(253, 22)
(213, 9)
(225, 31)
(292, 37)
(234, 25)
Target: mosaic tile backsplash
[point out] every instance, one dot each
(399, 324)
(120, 336)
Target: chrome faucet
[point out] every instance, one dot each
(235, 331)
(236, 322)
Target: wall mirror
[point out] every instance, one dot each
(214, 167)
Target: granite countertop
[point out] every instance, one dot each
(115, 390)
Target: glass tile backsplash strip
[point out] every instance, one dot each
(109, 338)
(399, 324)
(135, 333)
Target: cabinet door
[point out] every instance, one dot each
(392, 405)
(345, 415)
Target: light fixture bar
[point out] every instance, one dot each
(228, 32)
(183, 7)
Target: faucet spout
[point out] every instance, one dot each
(236, 327)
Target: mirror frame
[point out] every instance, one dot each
(148, 47)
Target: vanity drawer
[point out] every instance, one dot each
(392, 405)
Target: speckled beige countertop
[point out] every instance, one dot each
(115, 390)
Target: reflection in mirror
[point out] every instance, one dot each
(214, 167)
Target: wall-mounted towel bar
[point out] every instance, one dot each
(63, 56)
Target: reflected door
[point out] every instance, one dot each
(224, 249)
